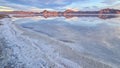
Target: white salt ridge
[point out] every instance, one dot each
(33, 49)
(33, 53)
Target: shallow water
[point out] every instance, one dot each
(93, 37)
(85, 42)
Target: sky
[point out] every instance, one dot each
(39, 5)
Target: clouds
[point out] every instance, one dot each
(15, 6)
(43, 3)
(3, 8)
(112, 4)
(58, 4)
(110, 1)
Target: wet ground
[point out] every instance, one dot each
(60, 43)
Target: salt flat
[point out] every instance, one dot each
(59, 44)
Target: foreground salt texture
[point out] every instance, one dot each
(23, 51)
(24, 48)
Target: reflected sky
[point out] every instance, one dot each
(100, 38)
(61, 27)
(95, 37)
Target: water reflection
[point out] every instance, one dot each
(86, 20)
(101, 16)
(100, 38)
(62, 28)
(105, 16)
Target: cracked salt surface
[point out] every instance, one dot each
(42, 45)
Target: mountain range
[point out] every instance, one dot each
(104, 13)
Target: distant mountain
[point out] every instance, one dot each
(3, 16)
(104, 13)
(109, 11)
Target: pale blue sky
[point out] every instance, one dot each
(59, 4)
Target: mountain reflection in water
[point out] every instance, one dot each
(102, 16)
(89, 40)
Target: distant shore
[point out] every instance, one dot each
(3, 16)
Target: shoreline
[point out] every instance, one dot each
(32, 49)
